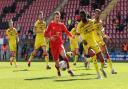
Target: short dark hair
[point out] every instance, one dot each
(83, 14)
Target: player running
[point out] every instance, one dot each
(54, 34)
(99, 36)
(74, 43)
(40, 41)
(86, 29)
(11, 35)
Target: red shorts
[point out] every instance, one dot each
(55, 51)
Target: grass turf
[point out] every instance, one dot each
(37, 77)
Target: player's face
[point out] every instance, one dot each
(75, 25)
(97, 14)
(57, 17)
(10, 24)
(41, 17)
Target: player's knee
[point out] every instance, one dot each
(91, 53)
(100, 56)
(107, 56)
(34, 53)
(66, 59)
(13, 54)
(45, 54)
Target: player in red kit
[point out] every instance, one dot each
(54, 34)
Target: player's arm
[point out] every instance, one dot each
(36, 29)
(17, 37)
(47, 32)
(7, 37)
(80, 27)
(66, 31)
(105, 36)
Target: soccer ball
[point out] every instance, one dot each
(63, 65)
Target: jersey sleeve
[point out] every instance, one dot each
(48, 31)
(72, 31)
(35, 26)
(79, 27)
(66, 31)
(6, 33)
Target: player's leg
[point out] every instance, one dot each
(87, 60)
(75, 52)
(46, 55)
(105, 51)
(13, 54)
(86, 55)
(13, 58)
(55, 56)
(100, 56)
(31, 57)
(92, 54)
(63, 54)
(37, 45)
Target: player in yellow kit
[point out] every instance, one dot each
(40, 41)
(99, 35)
(86, 30)
(11, 35)
(74, 43)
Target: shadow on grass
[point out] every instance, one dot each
(65, 80)
(40, 78)
(81, 69)
(79, 66)
(21, 70)
(84, 74)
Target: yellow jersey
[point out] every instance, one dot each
(41, 27)
(87, 32)
(74, 41)
(12, 34)
(99, 34)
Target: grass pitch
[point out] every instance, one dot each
(37, 77)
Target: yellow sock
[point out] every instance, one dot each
(11, 58)
(102, 65)
(14, 59)
(89, 59)
(76, 58)
(109, 62)
(46, 59)
(95, 63)
(31, 57)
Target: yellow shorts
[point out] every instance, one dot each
(12, 47)
(101, 43)
(74, 45)
(39, 42)
(95, 48)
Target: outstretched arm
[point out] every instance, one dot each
(66, 31)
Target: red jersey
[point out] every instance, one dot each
(56, 30)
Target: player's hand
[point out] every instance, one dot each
(77, 33)
(7, 38)
(53, 38)
(84, 42)
(47, 39)
(108, 38)
(58, 33)
(73, 37)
